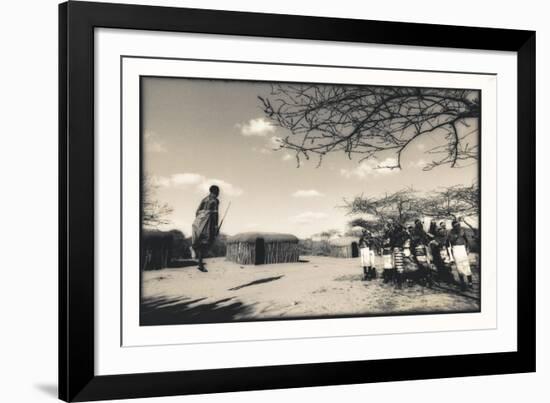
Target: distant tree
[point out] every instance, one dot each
(321, 245)
(329, 233)
(180, 245)
(368, 120)
(305, 246)
(320, 248)
(374, 225)
(154, 213)
(219, 247)
(456, 202)
(401, 206)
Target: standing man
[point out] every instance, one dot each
(419, 242)
(399, 240)
(418, 235)
(388, 272)
(366, 246)
(460, 246)
(441, 255)
(205, 226)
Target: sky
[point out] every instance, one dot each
(201, 132)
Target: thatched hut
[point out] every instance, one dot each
(345, 247)
(262, 248)
(161, 248)
(156, 249)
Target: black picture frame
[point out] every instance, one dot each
(77, 380)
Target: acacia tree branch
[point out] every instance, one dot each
(367, 120)
(154, 213)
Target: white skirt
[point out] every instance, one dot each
(388, 264)
(367, 257)
(461, 260)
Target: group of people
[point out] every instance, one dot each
(410, 254)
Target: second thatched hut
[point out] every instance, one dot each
(156, 249)
(262, 248)
(345, 247)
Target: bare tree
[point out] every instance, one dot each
(328, 233)
(401, 206)
(375, 226)
(367, 120)
(154, 213)
(456, 202)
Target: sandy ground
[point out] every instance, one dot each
(315, 287)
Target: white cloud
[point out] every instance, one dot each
(308, 217)
(256, 127)
(197, 181)
(156, 147)
(307, 193)
(275, 142)
(153, 144)
(371, 167)
(421, 146)
(272, 144)
(421, 163)
(262, 150)
(184, 179)
(225, 187)
(161, 181)
(286, 157)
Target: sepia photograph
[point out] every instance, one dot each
(255, 201)
(282, 200)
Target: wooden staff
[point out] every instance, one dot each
(223, 218)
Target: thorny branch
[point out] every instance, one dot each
(366, 120)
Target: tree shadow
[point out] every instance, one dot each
(177, 311)
(350, 277)
(176, 264)
(256, 282)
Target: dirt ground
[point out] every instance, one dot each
(317, 286)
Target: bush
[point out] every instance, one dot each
(180, 245)
(314, 248)
(218, 248)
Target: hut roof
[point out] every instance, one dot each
(251, 237)
(343, 241)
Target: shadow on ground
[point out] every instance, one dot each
(177, 311)
(182, 263)
(350, 277)
(256, 282)
(48, 389)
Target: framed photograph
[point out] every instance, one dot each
(257, 201)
